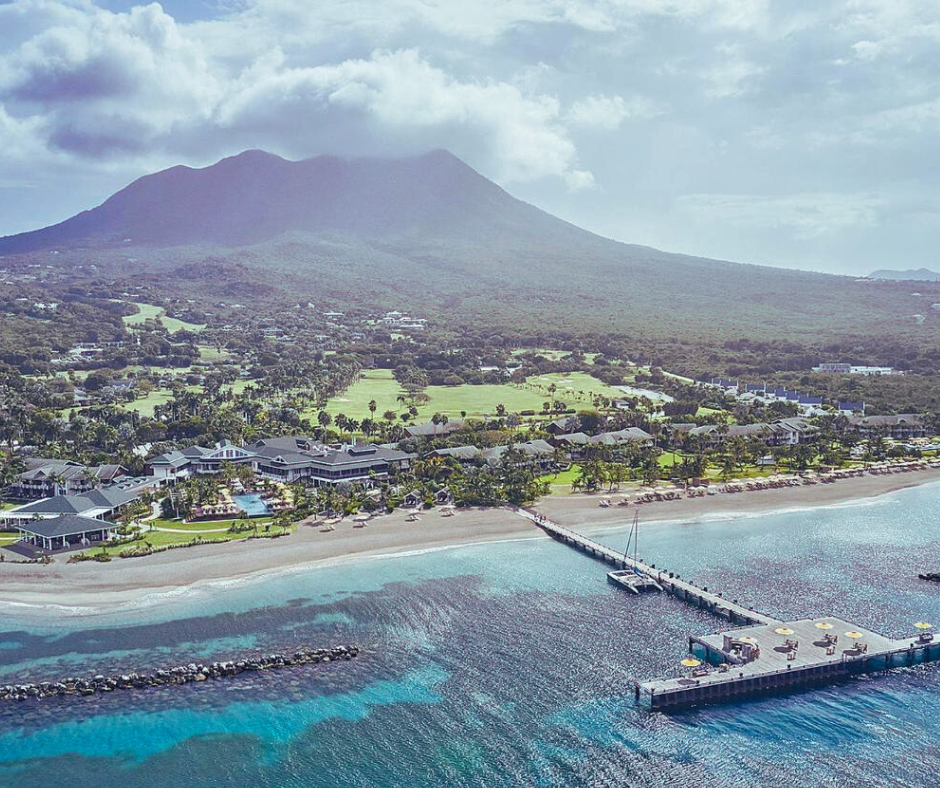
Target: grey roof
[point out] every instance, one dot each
(534, 448)
(175, 459)
(914, 419)
(460, 452)
(64, 525)
(32, 463)
(575, 438)
(622, 436)
(795, 423)
(108, 498)
(363, 455)
(432, 430)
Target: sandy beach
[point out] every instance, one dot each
(88, 586)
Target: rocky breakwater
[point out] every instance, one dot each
(179, 675)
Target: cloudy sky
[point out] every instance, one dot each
(795, 133)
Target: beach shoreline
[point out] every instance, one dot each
(63, 590)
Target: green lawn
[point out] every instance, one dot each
(146, 405)
(150, 312)
(238, 386)
(8, 537)
(553, 355)
(479, 400)
(669, 458)
(210, 353)
(560, 484)
(377, 384)
(163, 538)
(576, 390)
(204, 525)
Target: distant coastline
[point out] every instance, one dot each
(61, 590)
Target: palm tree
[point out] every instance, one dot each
(373, 406)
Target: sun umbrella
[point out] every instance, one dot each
(823, 625)
(691, 662)
(747, 639)
(854, 634)
(923, 625)
(783, 631)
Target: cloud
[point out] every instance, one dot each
(397, 94)
(811, 216)
(608, 112)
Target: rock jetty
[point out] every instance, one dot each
(181, 674)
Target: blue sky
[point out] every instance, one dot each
(796, 134)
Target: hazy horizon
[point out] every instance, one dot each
(716, 128)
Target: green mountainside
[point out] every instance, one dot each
(430, 234)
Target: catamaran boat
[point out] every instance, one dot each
(631, 577)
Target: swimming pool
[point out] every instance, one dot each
(252, 504)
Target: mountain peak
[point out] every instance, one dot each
(251, 156)
(255, 196)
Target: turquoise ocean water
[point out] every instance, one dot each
(495, 665)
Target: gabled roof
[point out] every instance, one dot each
(913, 419)
(533, 448)
(628, 435)
(574, 438)
(432, 430)
(460, 452)
(64, 525)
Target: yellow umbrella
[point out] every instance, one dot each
(923, 625)
(691, 662)
(783, 631)
(748, 639)
(854, 634)
(823, 625)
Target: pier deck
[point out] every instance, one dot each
(814, 661)
(670, 583)
(765, 654)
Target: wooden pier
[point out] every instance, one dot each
(668, 581)
(763, 654)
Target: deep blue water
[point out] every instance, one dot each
(252, 504)
(496, 665)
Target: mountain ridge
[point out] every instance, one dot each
(430, 232)
(909, 275)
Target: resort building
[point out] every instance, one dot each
(285, 459)
(63, 531)
(103, 504)
(45, 477)
(900, 427)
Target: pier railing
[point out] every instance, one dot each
(670, 582)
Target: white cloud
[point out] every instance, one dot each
(646, 100)
(520, 134)
(810, 216)
(608, 112)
